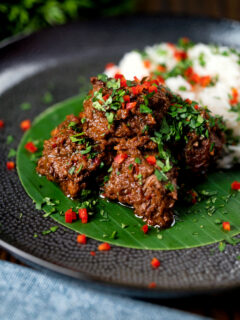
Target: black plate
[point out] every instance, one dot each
(60, 60)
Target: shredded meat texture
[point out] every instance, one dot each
(128, 122)
(134, 183)
(63, 162)
(112, 144)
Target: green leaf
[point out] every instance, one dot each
(110, 117)
(145, 109)
(12, 153)
(25, 106)
(9, 139)
(102, 77)
(222, 246)
(160, 175)
(193, 227)
(47, 98)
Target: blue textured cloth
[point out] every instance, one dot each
(28, 294)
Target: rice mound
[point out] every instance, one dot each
(220, 63)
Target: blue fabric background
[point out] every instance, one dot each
(32, 295)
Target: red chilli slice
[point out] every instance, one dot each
(234, 99)
(152, 89)
(82, 239)
(147, 64)
(152, 285)
(30, 147)
(68, 216)
(145, 228)
(92, 253)
(104, 247)
(120, 158)
(119, 76)
(226, 226)
(10, 165)
(2, 124)
(131, 105)
(105, 97)
(83, 215)
(151, 160)
(235, 185)
(126, 98)
(109, 65)
(155, 263)
(123, 83)
(25, 125)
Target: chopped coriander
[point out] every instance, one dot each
(54, 228)
(212, 146)
(169, 186)
(105, 179)
(48, 97)
(113, 235)
(130, 166)
(145, 109)
(201, 59)
(77, 137)
(47, 214)
(79, 169)
(110, 117)
(71, 124)
(87, 150)
(145, 128)
(35, 235)
(12, 153)
(101, 165)
(9, 139)
(46, 232)
(113, 84)
(98, 106)
(102, 77)
(182, 88)
(83, 120)
(25, 106)
(160, 175)
(118, 173)
(200, 120)
(225, 53)
(38, 206)
(20, 215)
(221, 246)
(48, 201)
(71, 170)
(138, 160)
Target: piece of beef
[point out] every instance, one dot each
(123, 124)
(200, 153)
(127, 121)
(133, 181)
(67, 162)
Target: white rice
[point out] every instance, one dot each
(220, 63)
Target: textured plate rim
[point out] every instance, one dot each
(31, 258)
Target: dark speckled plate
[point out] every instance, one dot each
(59, 61)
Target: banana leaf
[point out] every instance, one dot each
(196, 225)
